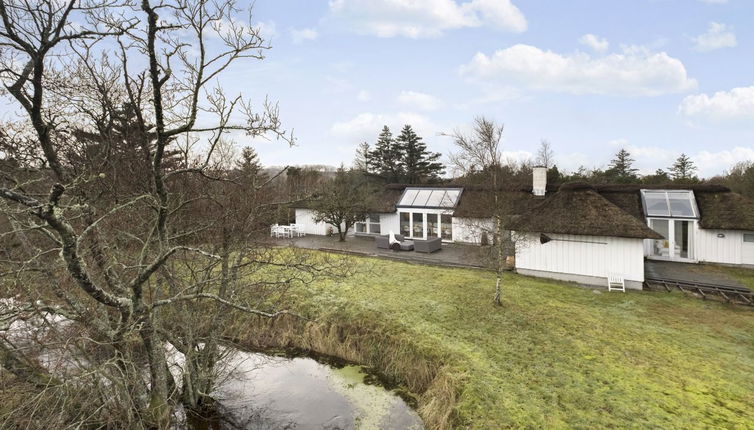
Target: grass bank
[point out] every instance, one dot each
(553, 356)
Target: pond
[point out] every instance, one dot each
(269, 392)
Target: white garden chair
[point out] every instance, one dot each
(274, 230)
(615, 282)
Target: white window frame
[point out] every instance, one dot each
(671, 238)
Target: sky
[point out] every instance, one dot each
(657, 77)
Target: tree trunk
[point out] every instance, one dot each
(341, 234)
(498, 292)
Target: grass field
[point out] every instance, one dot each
(557, 355)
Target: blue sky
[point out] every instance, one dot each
(659, 77)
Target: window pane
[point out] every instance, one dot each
(656, 203)
(421, 198)
(418, 227)
(361, 227)
(661, 226)
(450, 199)
(405, 229)
(433, 225)
(374, 228)
(408, 197)
(436, 199)
(749, 237)
(680, 204)
(446, 227)
(374, 218)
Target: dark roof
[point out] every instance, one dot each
(578, 209)
(725, 211)
(719, 207)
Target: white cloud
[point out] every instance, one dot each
(304, 34)
(636, 71)
(363, 96)
(715, 163)
(420, 101)
(425, 18)
(717, 36)
(366, 126)
(734, 105)
(596, 43)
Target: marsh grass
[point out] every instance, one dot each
(554, 355)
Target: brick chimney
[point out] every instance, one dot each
(539, 181)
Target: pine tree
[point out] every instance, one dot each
(621, 167)
(683, 169)
(419, 164)
(386, 160)
(250, 168)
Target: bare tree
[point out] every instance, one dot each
(545, 154)
(111, 222)
(480, 158)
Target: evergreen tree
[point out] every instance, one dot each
(683, 169)
(621, 167)
(361, 160)
(250, 168)
(659, 177)
(419, 165)
(385, 160)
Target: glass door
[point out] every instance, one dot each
(433, 226)
(417, 225)
(683, 240)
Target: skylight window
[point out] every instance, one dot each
(441, 198)
(672, 204)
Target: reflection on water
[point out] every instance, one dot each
(265, 392)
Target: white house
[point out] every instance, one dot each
(575, 232)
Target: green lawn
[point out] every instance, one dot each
(556, 355)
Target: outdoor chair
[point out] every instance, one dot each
(616, 282)
(383, 242)
(428, 246)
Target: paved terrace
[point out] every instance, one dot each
(689, 273)
(453, 255)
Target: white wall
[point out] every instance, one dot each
(306, 217)
(389, 222)
(469, 230)
(618, 255)
(713, 249)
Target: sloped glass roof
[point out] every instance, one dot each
(669, 203)
(441, 198)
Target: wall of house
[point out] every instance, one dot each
(729, 249)
(586, 263)
(389, 222)
(306, 218)
(469, 230)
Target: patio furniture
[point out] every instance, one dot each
(616, 282)
(406, 245)
(297, 230)
(384, 241)
(429, 246)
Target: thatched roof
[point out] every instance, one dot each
(578, 209)
(725, 211)
(719, 207)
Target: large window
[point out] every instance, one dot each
(374, 224)
(433, 225)
(405, 224)
(418, 227)
(445, 198)
(446, 227)
(667, 203)
(371, 225)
